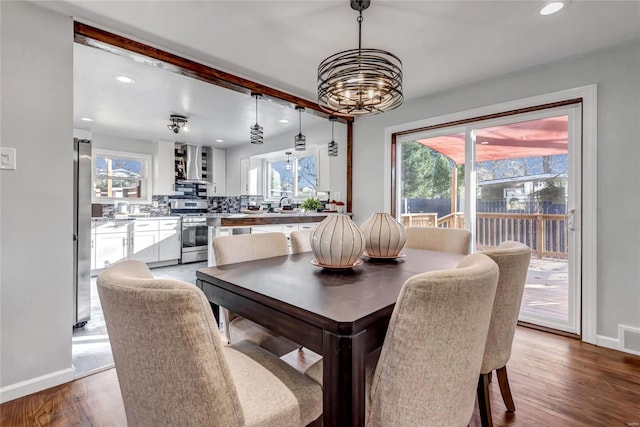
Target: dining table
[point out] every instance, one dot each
(341, 314)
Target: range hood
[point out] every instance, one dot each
(193, 165)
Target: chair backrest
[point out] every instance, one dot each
(513, 260)
(300, 241)
(456, 240)
(167, 351)
(430, 361)
(249, 247)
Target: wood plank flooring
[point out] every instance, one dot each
(556, 381)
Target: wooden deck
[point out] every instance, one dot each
(546, 292)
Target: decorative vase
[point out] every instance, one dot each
(384, 236)
(337, 242)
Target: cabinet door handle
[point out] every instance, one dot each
(92, 244)
(124, 242)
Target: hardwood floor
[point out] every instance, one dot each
(556, 381)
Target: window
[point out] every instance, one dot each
(120, 176)
(295, 178)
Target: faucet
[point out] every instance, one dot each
(282, 199)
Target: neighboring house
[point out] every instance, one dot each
(36, 219)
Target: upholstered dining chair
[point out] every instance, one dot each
(300, 241)
(174, 370)
(513, 260)
(428, 378)
(454, 240)
(249, 247)
(427, 370)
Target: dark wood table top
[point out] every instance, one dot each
(341, 301)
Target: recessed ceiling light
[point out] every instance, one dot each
(484, 142)
(219, 140)
(551, 7)
(124, 79)
(86, 119)
(284, 121)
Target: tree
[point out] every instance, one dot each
(426, 173)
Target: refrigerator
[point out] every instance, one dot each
(81, 232)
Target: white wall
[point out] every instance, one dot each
(119, 143)
(36, 199)
(316, 135)
(616, 71)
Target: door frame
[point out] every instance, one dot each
(587, 95)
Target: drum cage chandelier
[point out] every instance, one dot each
(360, 81)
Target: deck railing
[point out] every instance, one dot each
(545, 234)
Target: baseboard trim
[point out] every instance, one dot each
(608, 342)
(36, 384)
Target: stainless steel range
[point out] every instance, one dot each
(194, 228)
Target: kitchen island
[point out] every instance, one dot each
(217, 222)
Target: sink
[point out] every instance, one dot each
(287, 211)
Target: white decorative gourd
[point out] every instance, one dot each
(337, 242)
(384, 236)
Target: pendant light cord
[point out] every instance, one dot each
(360, 31)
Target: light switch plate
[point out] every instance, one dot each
(7, 158)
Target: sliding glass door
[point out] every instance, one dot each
(511, 178)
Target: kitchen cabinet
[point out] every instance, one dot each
(144, 241)
(164, 168)
(218, 165)
(284, 228)
(150, 240)
(111, 243)
(251, 176)
(244, 177)
(169, 244)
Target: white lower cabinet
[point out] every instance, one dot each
(144, 246)
(111, 248)
(147, 240)
(169, 244)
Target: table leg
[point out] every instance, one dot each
(343, 379)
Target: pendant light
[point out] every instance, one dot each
(300, 141)
(288, 165)
(333, 145)
(256, 130)
(360, 81)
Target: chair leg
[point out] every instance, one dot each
(505, 390)
(484, 405)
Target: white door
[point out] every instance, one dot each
(516, 177)
(527, 182)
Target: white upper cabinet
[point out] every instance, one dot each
(251, 176)
(164, 164)
(218, 174)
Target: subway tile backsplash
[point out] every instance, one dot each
(160, 206)
(224, 204)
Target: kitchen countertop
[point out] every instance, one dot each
(242, 219)
(133, 218)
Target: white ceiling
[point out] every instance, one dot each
(443, 44)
